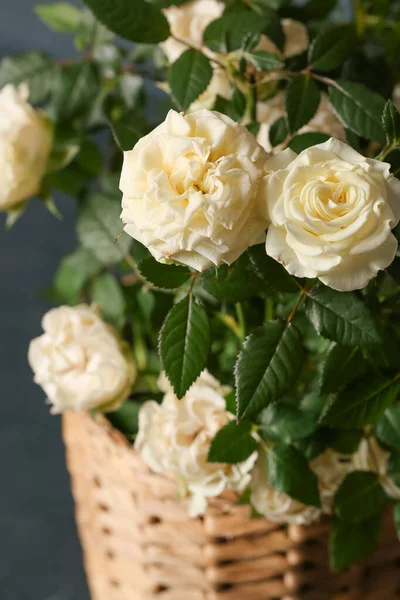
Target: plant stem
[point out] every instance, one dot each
(269, 309)
(241, 320)
(296, 306)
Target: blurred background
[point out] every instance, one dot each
(40, 553)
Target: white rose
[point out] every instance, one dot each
(80, 362)
(188, 23)
(332, 211)
(296, 40)
(370, 456)
(25, 141)
(324, 120)
(331, 468)
(218, 86)
(191, 190)
(175, 437)
(274, 505)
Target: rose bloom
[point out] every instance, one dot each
(80, 361)
(25, 141)
(370, 456)
(324, 120)
(191, 190)
(175, 436)
(188, 22)
(331, 212)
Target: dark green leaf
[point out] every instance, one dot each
(184, 344)
(359, 496)
(289, 472)
(391, 122)
(359, 108)
(341, 317)
(285, 422)
(231, 402)
(229, 31)
(272, 272)
(305, 140)
(331, 47)
(167, 277)
(341, 365)
(126, 419)
(264, 61)
(268, 365)
(98, 227)
(350, 542)
(302, 101)
(316, 443)
(361, 403)
(317, 10)
(388, 427)
(189, 77)
(278, 132)
(125, 132)
(235, 283)
(346, 441)
(34, 68)
(108, 293)
(233, 443)
(76, 88)
(72, 274)
(60, 16)
(137, 21)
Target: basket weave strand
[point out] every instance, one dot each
(140, 544)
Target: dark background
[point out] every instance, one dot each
(40, 554)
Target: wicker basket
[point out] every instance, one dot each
(140, 544)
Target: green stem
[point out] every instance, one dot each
(386, 150)
(269, 310)
(251, 109)
(241, 320)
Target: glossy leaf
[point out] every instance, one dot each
(233, 443)
(302, 101)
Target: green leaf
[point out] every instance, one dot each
(269, 363)
(126, 419)
(229, 31)
(278, 132)
(234, 283)
(125, 133)
(346, 441)
(314, 444)
(361, 403)
(359, 109)
(391, 122)
(72, 274)
(167, 277)
(350, 542)
(34, 68)
(107, 292)
(189, 77)
(137, 21)
(263, 60)
(341, 317)
(289, 472)
(341, 364)
(60, 16)
(98, 226)
(233, 443)
(331, 47)
(285, 422)
(359, 496)
(305, 140)
(270, 271)
(388, 427)
(302, 101)
(75, 90)
(184, 344)
(317, 10)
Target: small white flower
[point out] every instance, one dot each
(25, 141)
(80, 362)
(191, 190)
(175, 437)
(332, 211)
(370, 456)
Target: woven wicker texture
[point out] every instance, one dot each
(139, 543)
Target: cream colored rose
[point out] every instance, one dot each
(274, 505)
(80, 362)
(175, 437)
(324, 120)
(296, 40)
(330, 468)
(188, 23)
(370, 456)
(191, 190)
(218, 86)
(331, 212)
(25, 141)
